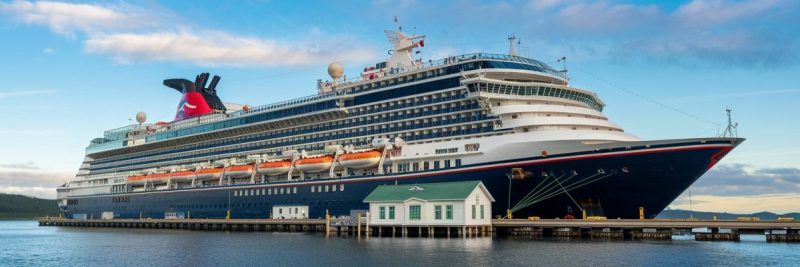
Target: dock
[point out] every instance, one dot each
(631, 229)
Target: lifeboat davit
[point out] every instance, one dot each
(239, 171)
(316, 164)
(137, 179)
(275, 167)
(360, 160)
(181, 176)
(208, 174)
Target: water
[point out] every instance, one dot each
(24, 243)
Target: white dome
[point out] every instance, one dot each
(141, 117)
(335, 70)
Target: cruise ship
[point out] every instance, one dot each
(542, 147)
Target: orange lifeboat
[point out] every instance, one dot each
(157, 177)
(137, 179)
(315, 164)
(360, 160)
(275, 167)
(239, 171)
(208, 174)
(181, 175)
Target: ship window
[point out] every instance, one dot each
(294, 190)
(436, 165)
(326, 188)
(281, 190)
(269, 191)
(341, 187)
(312, 189)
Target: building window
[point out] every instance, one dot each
(449, 212)
(481, 212)
(473, 212)
(414, 212)
(382, 212)
(437, 211)
(391, 212)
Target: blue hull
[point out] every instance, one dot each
(612, 183)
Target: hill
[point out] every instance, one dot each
(25, 207)
(682, 214)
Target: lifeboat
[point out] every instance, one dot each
(316, 164)
(360, 160)
(182, 176)
(137, 179)
(208, 174)
(158, 177)
(274, 168)
(239, 171)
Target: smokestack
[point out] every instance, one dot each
(213, 86)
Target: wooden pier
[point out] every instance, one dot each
(775, 231)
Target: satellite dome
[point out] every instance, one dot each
(335, 70)
(141, 117)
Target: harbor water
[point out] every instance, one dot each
(24, 243)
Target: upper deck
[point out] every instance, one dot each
(330, 97)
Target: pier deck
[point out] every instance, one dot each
(775, 231)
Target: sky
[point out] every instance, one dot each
(665, 69)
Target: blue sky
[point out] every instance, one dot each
(665, 70)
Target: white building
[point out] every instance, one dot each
(435, 204)
(290, 212)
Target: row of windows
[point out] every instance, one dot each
(265, 191)
(382, 212)
(473, 212)
(437, 212)
(120, 199)
(326, 188)
(426, 165)
(447, 150)
(351, 122)
(496, 88)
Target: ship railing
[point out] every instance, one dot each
(390, 72)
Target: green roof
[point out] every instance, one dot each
(430, 191)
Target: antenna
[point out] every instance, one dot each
(399, 27)
(512, 49)
(732, 129)
(563, 61)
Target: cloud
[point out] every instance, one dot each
(746, 180)
(779, 203)
(219, 48)
(705, 13)
(48, 50)
(26, 93)
(131, 34)
(67, 18)
(602, 17)
(25, 179)
(752, 93)
(23, 165)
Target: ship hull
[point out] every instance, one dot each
(613, 183)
